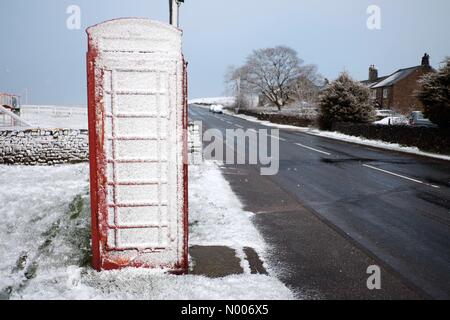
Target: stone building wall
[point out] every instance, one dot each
(404, 93)
(43, 147)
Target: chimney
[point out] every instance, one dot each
(373, 73)
(426, 60)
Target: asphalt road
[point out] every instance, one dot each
(335, 208)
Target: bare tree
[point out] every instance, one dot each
(272, 73)
(307, 86)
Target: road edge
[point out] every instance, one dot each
(351, 139)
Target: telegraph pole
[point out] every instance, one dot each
(26, 96)
(174, 7)
(238, 84)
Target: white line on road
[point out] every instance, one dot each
(400, 176)
(316, 150)
(279, 138)
(269, 135)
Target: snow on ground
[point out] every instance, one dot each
(229, 225)
(344, 137)
(51, 117)
(226, 101)
(45, 241)
(33, 203)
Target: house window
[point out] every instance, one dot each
(373, 94)
(385, 93)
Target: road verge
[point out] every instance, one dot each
(345, 138)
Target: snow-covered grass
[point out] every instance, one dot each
(45, 241)
(34, 202)
(55, 116)
(347, 138)
(74, 283)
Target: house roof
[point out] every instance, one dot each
(373, 82)
(394, 78)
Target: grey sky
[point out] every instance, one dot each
(38, 52)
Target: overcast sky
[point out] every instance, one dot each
(38, 51)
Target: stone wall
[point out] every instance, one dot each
(44, 147)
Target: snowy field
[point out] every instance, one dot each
(225, 101)
(55, 117)
(302, 109)
(45, 241)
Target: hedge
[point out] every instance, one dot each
(427, 139)
(433, 140)
(280, 119)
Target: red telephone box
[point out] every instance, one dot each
(137, 125)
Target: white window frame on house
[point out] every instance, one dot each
(373, 93)
(385, 93)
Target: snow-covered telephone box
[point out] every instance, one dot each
(137, 120)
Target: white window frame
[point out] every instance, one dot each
(385, 93)
(374, 93)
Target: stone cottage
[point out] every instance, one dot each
(397, 91)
